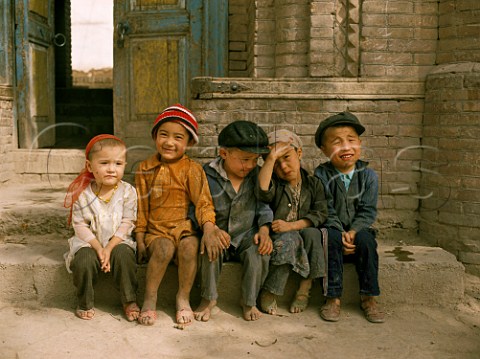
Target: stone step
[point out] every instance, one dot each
(408, 275)
(33, 238)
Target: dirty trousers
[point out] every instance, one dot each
(365, 259)
(86, 267)
(312, 246)
(254, 270)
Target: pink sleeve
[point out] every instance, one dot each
(129, 214)
(80, 226)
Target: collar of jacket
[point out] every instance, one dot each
(154, 161)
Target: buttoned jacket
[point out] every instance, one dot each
(353, 209)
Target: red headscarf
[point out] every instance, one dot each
(85, 177)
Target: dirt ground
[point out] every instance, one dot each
(30, 332)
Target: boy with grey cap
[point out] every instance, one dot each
(243, 220)
(352, 192)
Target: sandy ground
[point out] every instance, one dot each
(421, 332)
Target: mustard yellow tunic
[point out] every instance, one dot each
(165, 191)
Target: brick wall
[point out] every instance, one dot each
(450, 182)
(264, 48)
(239, 38)
(398, 38)
(326, 38)
(451, 179)
(392, 114)
(6, 136)
(459, 38)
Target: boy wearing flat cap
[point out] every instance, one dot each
(244, 220)
(300, 207)
(352, 191)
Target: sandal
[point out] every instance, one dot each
(131, 310)
(269, 307)
(88, 314)
(300, 302)
(330, 311)
(147, 317)
(372, 311)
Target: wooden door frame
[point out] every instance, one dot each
(27, 32)
(207, 49)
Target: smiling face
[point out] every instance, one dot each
(171, 141)
(107, 164)
(287, 167)
(237, 163)
(342, 145)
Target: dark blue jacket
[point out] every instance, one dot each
(355, 209)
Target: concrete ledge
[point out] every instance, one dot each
(408, 275)
(295, 88)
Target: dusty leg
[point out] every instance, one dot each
(162, 250)
(210, 273)
(187, 268)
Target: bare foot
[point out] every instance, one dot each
(184, 314)
(204, 310)
(148, 314)
(132, 311)
(147, 317)
(250, 313)
(85, 314)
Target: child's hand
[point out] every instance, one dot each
(100, 254)
(262, 238)
(347, 240)
(105, 265)
(214, 241)
(142, 257)
(279, 149)
(280, 225)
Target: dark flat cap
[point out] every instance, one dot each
(244, 135)
(342, 118)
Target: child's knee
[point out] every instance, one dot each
(162, 249)
(335, 239)
(365, 239)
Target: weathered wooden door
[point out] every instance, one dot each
(159, 46)
(34, 67)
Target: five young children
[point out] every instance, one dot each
(275, 219)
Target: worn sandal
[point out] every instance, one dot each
(88, 314)
(330, 312)
(300, 302)
(131, 310)
(372, 311)
(269, 307)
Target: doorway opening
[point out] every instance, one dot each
(83, 71)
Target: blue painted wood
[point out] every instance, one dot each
(216, 38)
(199, 26)
(6, 46)
(195, 55)
(33, 30)
(20, 111)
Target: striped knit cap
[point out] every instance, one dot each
(181, 115)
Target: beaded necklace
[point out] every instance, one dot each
(106, 200)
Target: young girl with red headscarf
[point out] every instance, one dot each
(103, 209)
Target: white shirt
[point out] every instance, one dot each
(94, 218)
